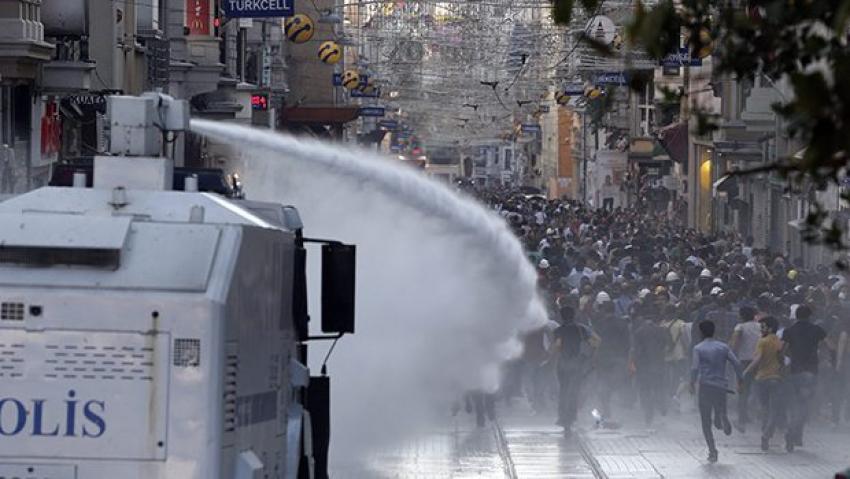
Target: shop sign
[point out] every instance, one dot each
(612, 78)
(374, 111)
(258, 8)
(198, 17)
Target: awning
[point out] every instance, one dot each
(740, 150)
(726, 184)
(320, 115)
(799, 224)
(374, 136)
(674, 139)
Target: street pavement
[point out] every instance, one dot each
(674, 448)
(523, 445)
(455, 449)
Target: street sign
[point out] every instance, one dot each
(544, 109)
(258, 8)
(530, 128)
(337, 79)
(574, 89)
(375, 111)
(682, 58)
(388, 124)
(359, 94)
(612, 78)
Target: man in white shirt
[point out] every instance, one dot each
(743, 343)
(540, 217)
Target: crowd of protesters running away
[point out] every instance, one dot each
(647, 309)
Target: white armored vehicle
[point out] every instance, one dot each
(150, 334)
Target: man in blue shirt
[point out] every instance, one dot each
(709, 367)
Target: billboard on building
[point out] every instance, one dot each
(198, 17)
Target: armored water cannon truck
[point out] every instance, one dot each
(147, 333)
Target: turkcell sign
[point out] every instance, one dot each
(612, 78)
(373, 111)
(258, 8)
(680, 59)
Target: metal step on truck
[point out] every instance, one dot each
(147, 333)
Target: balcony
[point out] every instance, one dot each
(22, 45)
(70, 70)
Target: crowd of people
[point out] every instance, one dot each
(643, 308)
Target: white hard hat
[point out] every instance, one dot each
(602, 297)
(543, 264)
(705, 273)
(643, 293)
(716, 290)
(672, 276)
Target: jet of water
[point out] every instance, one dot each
(444, 287)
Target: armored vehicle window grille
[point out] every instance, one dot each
(114, 362)
(231, 373)
(44, 257)
(187, 353)
(11, 360)
(12, 312)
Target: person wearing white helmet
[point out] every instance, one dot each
(540, 218)
(674, 285)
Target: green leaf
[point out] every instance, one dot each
(562, 11)
(599, 46)
(842, 15)
(657, 29)
(590, 5)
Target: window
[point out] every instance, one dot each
(22, 109)
(646, 110)
(241, 41)
(6, 120)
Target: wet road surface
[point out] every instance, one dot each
(523, 445)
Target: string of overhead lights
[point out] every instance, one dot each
(475, 65)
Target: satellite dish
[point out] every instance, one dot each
(601, 28)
